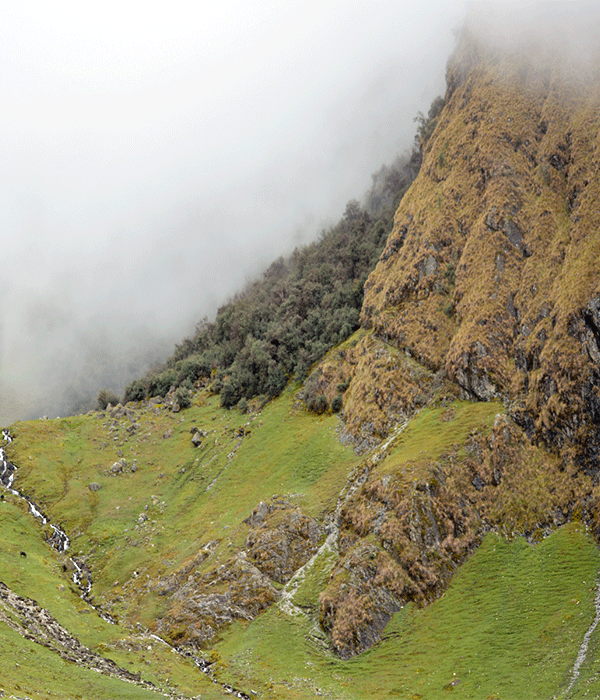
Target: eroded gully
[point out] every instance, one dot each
(58, 539)
(355, 480)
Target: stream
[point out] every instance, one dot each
(82, 578)
(59, 539)
(583, 649)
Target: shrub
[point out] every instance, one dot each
(337, 403)
(106, 396)
(319, 404)
(135, 391)
(160, 384)
(450, 274)
(182, 397)
(192, 368)
(229, 395)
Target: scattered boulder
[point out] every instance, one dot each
(117, 411)
(197, 436)
(94, 486)
(258, 515)
(118, 467)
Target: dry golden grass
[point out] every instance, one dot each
(493, 257)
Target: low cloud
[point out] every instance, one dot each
(154, 160)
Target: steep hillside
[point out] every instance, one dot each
(416, 518)
(487, 289)
(490, 273)
(284, 321)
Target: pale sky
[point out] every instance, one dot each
(156, 155)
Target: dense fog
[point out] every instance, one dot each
(157, 156)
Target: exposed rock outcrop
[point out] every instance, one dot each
(490, 273)
(203, 603)
(404, 534)
(282, 539)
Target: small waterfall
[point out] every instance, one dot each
(59, 539)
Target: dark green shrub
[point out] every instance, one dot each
(318, 404)
(450, 273)
(192, 368)
(276, 380)
(229, 395)
(135, 391)
(106, 396)
(448, 309)
(216, 386)
(160, 384)
(337, 403)
(182, 397)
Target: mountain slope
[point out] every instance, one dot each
(487, 289)
(438, 534)
(491, 270)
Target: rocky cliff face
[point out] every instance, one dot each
(488, 288)
(490, 273)
(280, 539)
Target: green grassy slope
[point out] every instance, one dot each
(191, 496)
(510, 624)
(31, 670)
